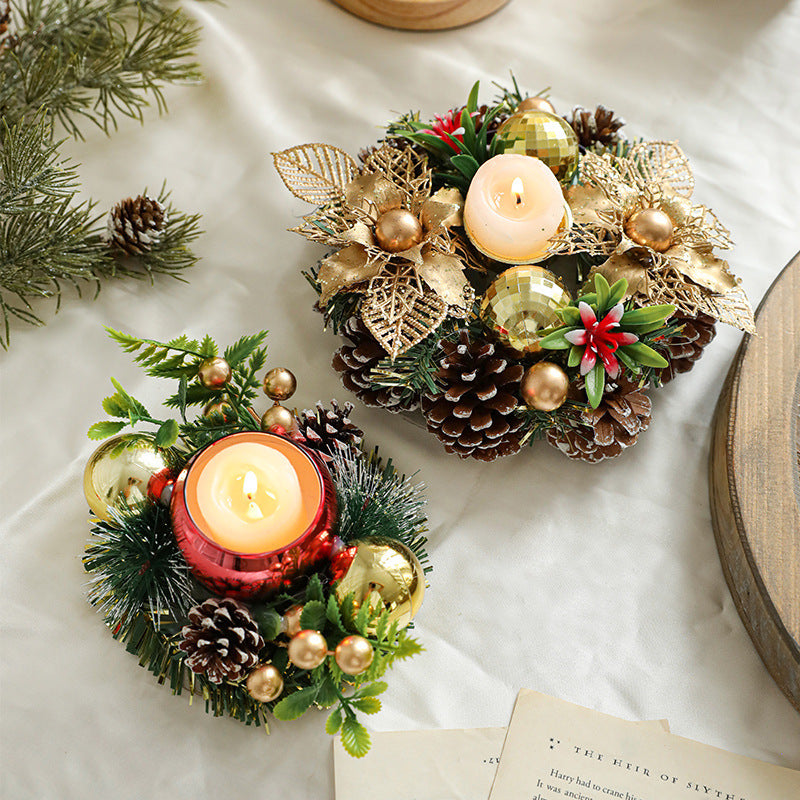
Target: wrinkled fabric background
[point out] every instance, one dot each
(597, 584)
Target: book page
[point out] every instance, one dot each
(427, 765)
(555, 750)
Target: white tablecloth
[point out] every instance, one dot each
(597, 584)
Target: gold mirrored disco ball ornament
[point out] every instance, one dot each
(544, 135)
(520, 302)
(117, 473)
(385, 573)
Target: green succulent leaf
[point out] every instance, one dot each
(102, 430)
(603, 291)
(575, 355)
(643, 354)
(167, 433)
(294, 705)
(570, 316)
(617, 292)
(334, 722)
(557, 339)
(313, 616)
(647, 315)
(467, 165)
(367, 705)
(355, 737)
(314, 589)
(595, 383)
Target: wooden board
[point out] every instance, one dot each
(754, 481)
(422, 15)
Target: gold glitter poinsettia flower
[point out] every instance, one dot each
(392, 233)
(637, 210)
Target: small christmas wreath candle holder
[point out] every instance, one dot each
(556, 273)
(267, 562)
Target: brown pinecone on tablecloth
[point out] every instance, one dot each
(593, 127)
(135, 225)
(354, 362)
(222, 639)
(328, 431)
(474, 414)
(687, 347)
(607, 430)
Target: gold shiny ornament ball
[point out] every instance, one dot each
(536, 104)
(214, 372)
(353, 654)
(117, 473)
(290, 623)
(544, 386)
(387, 575)
(520, 302)
(543, 135)
(222, 407)
(279, 384)
(308, 649)
(265, 683)
(278, 415)
(398, 230)
(650, 227)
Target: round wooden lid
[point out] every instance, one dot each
(422, 15)
(755, 481)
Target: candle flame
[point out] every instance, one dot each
(250, 484)
(518, 189)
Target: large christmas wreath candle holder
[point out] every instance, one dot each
(266, 562)
(514, 274)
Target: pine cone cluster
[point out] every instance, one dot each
(605, 431)
(355, 360)
(598, 127)
(687, 347)
(136, 224)
(222, 640)
(474, 414)
(328, 431)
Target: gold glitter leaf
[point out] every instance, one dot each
(316, 173)
(399, 312)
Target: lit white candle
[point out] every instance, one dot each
(514, 207)
(248, 498)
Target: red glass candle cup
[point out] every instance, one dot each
(252, 576)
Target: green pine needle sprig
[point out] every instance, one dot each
(375, 500)
(137, 568)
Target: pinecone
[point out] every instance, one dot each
(474, 416)
(136, 225)
(222, 639)
(687, 347)
(328, 431)
(598, 127)
(355, 360)
(607, 430)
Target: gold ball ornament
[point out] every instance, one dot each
(543, 135)
(353, 654)
(265, 683)
(536, 104)
(278, 415)
(117, 473)
(544, 386)
(214, 372)
(520, 302)
(308, 649)
(650, 227)
(290, 624)
(385, 574)
(222, 407)
(279, 384)
(398, 230)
